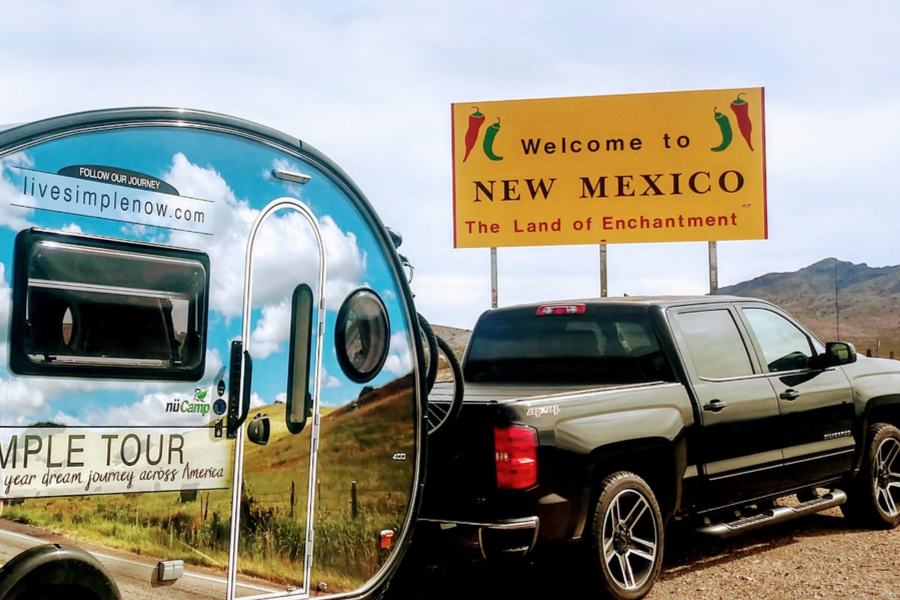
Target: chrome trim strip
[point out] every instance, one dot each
(270, 209)
(525, 523)
(820, 456)
(843, 443)
(511, 525)
(291, 176)
(745, 464)
(580, 394)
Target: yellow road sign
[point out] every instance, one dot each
(667, 167)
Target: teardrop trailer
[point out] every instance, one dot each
(213, 361)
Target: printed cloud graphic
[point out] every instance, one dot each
(285, 242)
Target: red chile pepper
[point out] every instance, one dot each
(476, 120)
(739, 107)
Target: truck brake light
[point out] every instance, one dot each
(561, 309)
(515, 457)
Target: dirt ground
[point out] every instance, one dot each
(814, 557)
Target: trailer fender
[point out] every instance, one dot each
(55, 571)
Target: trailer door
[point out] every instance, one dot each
(280, 433)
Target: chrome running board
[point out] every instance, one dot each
(779, 514)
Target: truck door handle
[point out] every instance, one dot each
(789, 395)
(714, 406)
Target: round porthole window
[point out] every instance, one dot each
(362, 335)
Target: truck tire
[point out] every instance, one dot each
(873, 499)
(626, 547)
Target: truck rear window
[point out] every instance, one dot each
(593, 349)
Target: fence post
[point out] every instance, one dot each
(292, 499)
(354, 506)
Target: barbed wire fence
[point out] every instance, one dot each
(332, 501)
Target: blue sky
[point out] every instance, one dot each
(371, 83)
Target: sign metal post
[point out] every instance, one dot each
(493, 278)
(603, 270)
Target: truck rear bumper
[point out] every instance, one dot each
(508, 538)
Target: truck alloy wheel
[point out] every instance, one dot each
(627, 541)
(874, 498)
(886, 475)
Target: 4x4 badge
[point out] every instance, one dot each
(539, 411)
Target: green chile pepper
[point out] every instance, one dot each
(725, 127)
(489, 136)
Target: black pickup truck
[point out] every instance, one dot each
(599, 422)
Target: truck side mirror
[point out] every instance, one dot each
(839, 353)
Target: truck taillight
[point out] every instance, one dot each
(515, 455)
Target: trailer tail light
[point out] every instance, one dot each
(561, 309)
(515, 455)
(386, 538)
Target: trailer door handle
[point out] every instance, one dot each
(790, 395)
(238, 396)
(714, 406)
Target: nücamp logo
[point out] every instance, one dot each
(199, 404)
(476, 120)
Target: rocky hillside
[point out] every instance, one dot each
(837, 300)
(833, 298)
(457, 338)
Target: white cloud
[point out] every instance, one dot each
(285, 243)
(26, 399)
(329, 381)
(273, 328)
(22, 399)
(14, 217)
(399, 361)
(151, 410)
(5, 303)
(386, 73)
(71, 228)
(225, 247)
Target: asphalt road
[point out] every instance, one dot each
(133, 574)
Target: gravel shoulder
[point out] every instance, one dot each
(815, 557)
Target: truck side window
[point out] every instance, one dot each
(784, 346)
(715, 344)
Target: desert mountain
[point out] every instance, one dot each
(837, 300)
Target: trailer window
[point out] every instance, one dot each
(94, 307)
